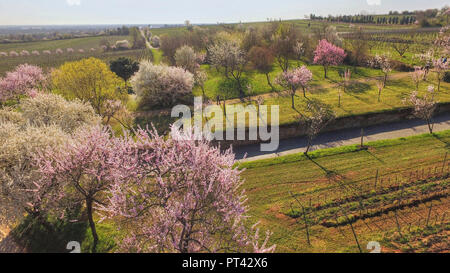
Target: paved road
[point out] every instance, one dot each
(346, 137)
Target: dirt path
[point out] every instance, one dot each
(149, 46)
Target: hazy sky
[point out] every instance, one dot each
(34, 12)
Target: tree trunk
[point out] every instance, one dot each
(304, 91)
(430, 126)
(294, 91)
(385, 80)
(325, 70)
(241, 92)
(269, 82)
(362, 138)
(89, 203)
(309, 146)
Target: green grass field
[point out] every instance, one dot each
(324, 176)
(361, 97)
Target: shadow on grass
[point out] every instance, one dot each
(317, 89)
(447, 144)
(358, 88)
(54, 234)
(342, 181)
(374, 156)
(52, 237)
(329, 173)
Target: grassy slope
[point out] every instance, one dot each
(360, 98)
(268, 183)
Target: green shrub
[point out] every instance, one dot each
(50, 235)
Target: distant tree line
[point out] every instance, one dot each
(121, 31)
(424, 18)
(368, 19)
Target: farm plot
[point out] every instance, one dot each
(338, 199)
(50, 54)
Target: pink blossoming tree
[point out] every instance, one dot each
(181, 195)
(293, 79)
(327, 54)
(85, 167)
(384, 63)
(21, 81)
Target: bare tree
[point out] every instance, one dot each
(417, 76)
(425, 107)
(401, 48)
(380, 86)
(440, 67)
(382, 62)
(320, 117)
